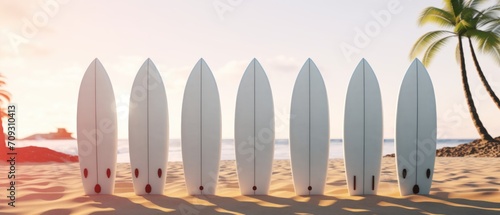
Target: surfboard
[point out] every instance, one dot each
(254, 131)
(309, 131)
(96, 131)
(148, 131)
(416, 131)
(201, 131)
(363, 131)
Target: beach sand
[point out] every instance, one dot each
(461, 186)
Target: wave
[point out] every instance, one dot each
(281, 151)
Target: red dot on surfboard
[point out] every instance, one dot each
(159, 172)
(108, 172)
(148, 188)
(97, 188)
(85, 172)
(136, 172)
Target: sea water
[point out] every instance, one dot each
(281, 148)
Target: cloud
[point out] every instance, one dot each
(22, 22)
(175, 78)
(282, 63)
(232, 71)
(14, 11)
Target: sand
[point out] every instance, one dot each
(461, 186)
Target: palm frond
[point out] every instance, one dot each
(462, 26)
(492, 9)
(426, 39)
(436, 16)
(487, 16)
(448, 6)
(486, 20)
(494, 27)
(434, 48)
(471, 18)
(485, 39)
(487, 46)
(5, 95)
(495, 52)
(460, 17)
(457, 53)
(2, 80)
(455, 6)
(474, 3)
(469, 13)
(488, 42)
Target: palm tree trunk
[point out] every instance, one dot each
(470, 102)
(481, 75)
(3, 146)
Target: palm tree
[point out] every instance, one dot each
(4, 99)
(449, 18)
(484, 27)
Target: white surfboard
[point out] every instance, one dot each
(201, 131)
(96, 131)
(363, 131)
(148, 131)
(309, 131)
(254, 131)
(416, 131)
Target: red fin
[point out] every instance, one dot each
(97, 188)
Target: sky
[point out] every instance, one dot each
(46, 46)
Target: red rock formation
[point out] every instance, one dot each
(34, 154)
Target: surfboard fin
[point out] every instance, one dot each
(97, 188)
(373, 182)
(354, 182)
(416, 189)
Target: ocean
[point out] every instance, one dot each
(281, 149)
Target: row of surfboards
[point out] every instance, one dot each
(254, 131)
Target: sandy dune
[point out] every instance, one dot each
(461, 186)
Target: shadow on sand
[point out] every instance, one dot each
(435, 204)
